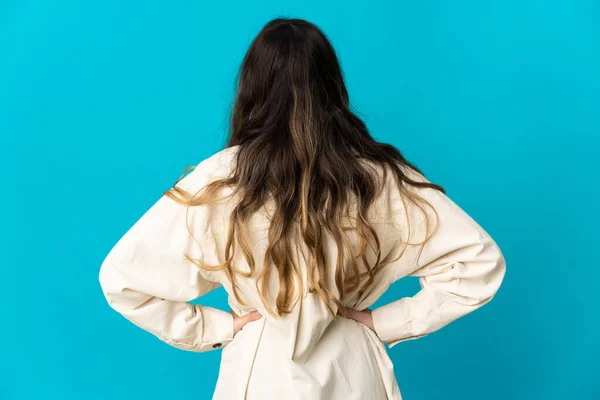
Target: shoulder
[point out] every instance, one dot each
(390, 184)
(216, 166)
(219, 160)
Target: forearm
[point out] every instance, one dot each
(186, 326)
(431, 308)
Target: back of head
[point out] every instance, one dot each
(301, 150)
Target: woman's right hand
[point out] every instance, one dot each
(362, 316)
(240, 321)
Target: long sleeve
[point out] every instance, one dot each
(460, 269)
(146, 278)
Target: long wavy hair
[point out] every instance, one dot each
(300, 149)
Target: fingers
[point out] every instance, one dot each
(357, 315)
(240, 322)
(251, 316)
(352, 313)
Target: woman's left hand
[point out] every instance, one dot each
(363, 316)
(240, 321)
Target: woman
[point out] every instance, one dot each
(305, 220)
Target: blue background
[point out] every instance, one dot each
(103, 104)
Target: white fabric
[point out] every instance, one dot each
(307, 354)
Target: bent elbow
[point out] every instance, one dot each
(121, 293)
(496, 273)
(110, 283)
(480, 280)
(106, 283)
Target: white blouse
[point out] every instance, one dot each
(307, 354)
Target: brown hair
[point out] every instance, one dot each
(300, 147)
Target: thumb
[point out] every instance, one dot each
(252, 316)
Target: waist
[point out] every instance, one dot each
(343, 361)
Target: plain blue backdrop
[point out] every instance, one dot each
(103, 104)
